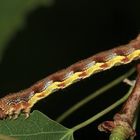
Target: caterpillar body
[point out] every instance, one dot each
(13, 104)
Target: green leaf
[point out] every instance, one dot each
(12, 17)
(36, 127)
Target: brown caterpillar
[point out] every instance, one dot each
(12, 104)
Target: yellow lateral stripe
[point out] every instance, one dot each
(91, 70)
(53, 87)
(133, 55)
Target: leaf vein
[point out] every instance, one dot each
(33, 134)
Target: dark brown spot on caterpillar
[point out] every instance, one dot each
(58, 76)
(83, 74)
(104, 66)
(77, 67)
(101, 57)
(39, 86)
(61, 85)
(125, 60)
(124, 51)
(41, 95)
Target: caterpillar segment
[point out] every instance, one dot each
(13, 104)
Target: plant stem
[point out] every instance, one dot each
(121, 127)
(94, 95)
(100, 114)
(135, 122)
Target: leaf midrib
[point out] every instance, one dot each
(38, 133)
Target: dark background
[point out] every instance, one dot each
(56, 37)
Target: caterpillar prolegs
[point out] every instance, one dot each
(12, 104)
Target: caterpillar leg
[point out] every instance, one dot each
(16, 114)
(10, 113)
(27, 112)
(15, 110)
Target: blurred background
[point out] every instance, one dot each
(55, 34)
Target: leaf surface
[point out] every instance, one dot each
(36, 127)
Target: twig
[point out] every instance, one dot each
(121, 128)
(135, 121)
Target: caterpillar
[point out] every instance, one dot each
(21, 102)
